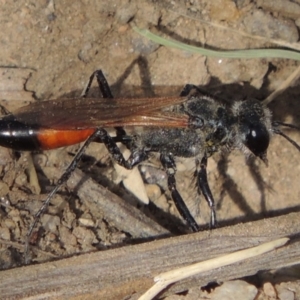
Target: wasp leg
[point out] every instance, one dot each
(187, 89)
(88, 86)
(104, 90)
(64, 177)
(106, 93)
(168, 163)
(102, 83)
(135, 157)
(100, 135)
(205, 189)
(110, 142)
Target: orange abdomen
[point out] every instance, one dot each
(52, 139)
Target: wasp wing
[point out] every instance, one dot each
(168, 120)
(82, 113)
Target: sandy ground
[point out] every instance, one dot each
(49, 49)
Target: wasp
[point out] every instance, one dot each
(193, 124)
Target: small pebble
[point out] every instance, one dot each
(286, 295)
(66, 237)
(84, 236)
(232, 290)
(4, 233)
(162, 203)
(287, 291)
(153, 191)
(3, 189)
(9, 223)
(50, 223)
(86, 222)
(68, 217)
(269, 290)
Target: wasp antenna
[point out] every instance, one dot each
(277, 131)
(277, 123)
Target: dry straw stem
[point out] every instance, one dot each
(129, 271)
(283, 86)
(163, 280)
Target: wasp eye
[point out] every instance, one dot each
(257, 140)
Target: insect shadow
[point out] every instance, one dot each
(283, 107)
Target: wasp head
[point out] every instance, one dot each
(253, 127)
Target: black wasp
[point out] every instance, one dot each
(191, 125)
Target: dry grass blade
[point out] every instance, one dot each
(284, 85)
(165, 279)
(278, 42)
(128, 271)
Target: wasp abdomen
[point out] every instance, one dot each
(52, 139)
(17, 135)
(27, 137)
